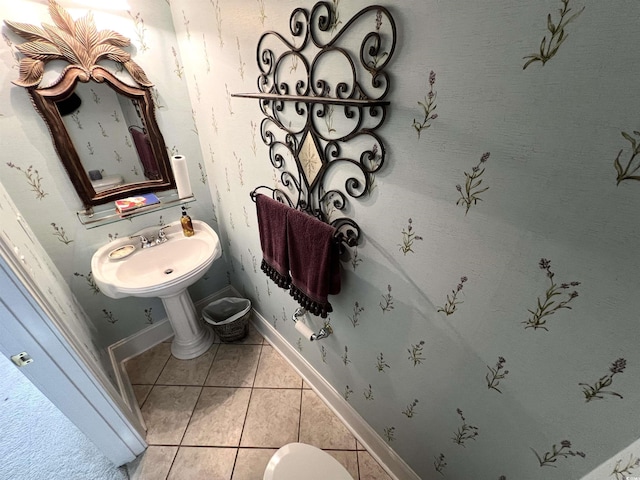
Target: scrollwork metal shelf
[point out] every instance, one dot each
(322, 109)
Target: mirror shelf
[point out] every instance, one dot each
(106, 214)
(314, 99)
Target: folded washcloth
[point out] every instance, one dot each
(313, 261)
(272, 226)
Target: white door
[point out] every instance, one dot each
(60, 373)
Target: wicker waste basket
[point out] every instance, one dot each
(229, 317)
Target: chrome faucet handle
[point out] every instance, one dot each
(144, 241)
(162, 237)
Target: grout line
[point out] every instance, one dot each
(212, 362)
(173, 461)
(300, 415)
(246, 413)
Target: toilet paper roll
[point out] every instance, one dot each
(304, 330)
(181, 174)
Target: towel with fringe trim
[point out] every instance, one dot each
(313, 262)
(272, 227)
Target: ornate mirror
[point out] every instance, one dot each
(101, 119)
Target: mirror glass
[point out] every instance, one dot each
(110, 136)
(106, 135)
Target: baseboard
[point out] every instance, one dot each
(395, 466)
(142, 341)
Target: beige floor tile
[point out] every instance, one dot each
(348, 459)
(273, 418)
(305, 385)
(203, 463)
(187, 372)
(218, 417)
(141, 392)
(359, 446)
(153, 464)
(320, 427)
(167, 412)
(251, 463)
(275, 372)
(234, 366)
(369, 468)
(146, 367)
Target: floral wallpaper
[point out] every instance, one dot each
(36, 181)
(486, 325)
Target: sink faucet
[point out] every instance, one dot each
(145, 242)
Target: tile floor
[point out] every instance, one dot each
(221, 416)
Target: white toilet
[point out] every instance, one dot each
(107, 182)
(297, 461)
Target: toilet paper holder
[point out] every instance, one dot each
(324, 331)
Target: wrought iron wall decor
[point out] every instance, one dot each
(323, 103)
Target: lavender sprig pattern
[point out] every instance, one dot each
(632, 166)
(440, 463)
(61, 234)
(429, 105)
(550, 304)
(416, 354)
(355, 318)
(410, 411)
(453, 301)
(408, 237)
(597, 390)
(90, 281)
(558, 36)
(33, 178)
(465, 431)
(623, 472)
(109, 317)
(472, 190)
(381, 364)
(496, 374)
(551, 457)
(387, 304)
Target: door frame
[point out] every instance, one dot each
(59, 370)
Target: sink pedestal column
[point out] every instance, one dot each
(192, 337)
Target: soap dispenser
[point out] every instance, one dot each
(187, 226)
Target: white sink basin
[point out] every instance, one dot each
(123, 269)
(158, 271)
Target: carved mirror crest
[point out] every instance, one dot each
(123, 141)
(323, 98)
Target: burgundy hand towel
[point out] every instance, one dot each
(145, 153)
(272, 226)
(313, 261)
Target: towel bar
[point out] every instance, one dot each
(347, 231)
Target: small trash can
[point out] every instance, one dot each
(229, 317)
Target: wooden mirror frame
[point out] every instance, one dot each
(44, 100)
(79, 43)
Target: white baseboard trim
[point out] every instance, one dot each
(395, 466)
(141, 341)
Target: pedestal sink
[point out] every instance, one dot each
(122, 268)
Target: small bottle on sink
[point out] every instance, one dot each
(187, 225)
